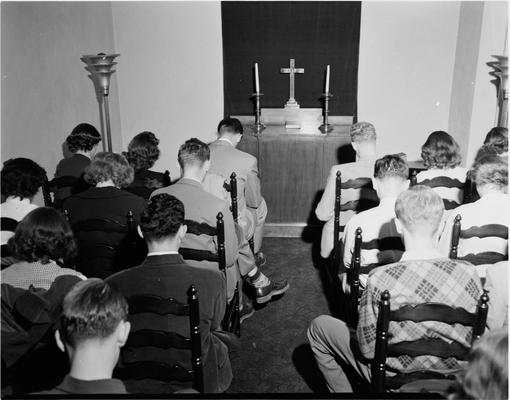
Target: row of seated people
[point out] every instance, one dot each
(410, 255)
(35, 264)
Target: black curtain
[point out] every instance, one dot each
(314, 33)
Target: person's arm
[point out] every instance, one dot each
(347, 243)
(326, 208)
(367, 325)
(219, 304)
(252, 192)
(231, 241)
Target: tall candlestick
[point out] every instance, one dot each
(326, 90)
(257, 88)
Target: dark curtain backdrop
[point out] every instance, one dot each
(314, 33)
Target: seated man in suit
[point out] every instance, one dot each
(92, 329)
(389, 180)
(422, 275)
(201, 206)
(225, 159)
(363, 138)
(164, 273)
(490, 174)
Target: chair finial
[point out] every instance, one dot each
(385, 296)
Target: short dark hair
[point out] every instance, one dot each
(230, 125)
(193, 151)
(83, 137)
(21, 177)
(491, 169)
(441, 151)
(143, 151)
(497, 138)
(43, 235)
(162, 217)
(91, 310)
(390, 166)
(112, 166)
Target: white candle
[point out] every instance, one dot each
(257, 88)
(326, 90)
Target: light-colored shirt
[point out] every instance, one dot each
(496, 284)
(16, 209)
(452, 194)
(325, 210)
(25, 274)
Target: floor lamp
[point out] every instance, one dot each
(502, 66)
(100, 68)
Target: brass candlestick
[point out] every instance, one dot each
(100, 68)
(326, 127)
(259, 126)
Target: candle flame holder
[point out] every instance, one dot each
(258, 126)
(326, 126)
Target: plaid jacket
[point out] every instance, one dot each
(450, 282)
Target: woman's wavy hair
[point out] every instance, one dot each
(43, 235)
(21, 177)
(486, 376)
(107, 166)
(497, 139)
(83, 137)
(441, 151)
(143, 151)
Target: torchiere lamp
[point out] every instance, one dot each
(100, 68)
(502, 66)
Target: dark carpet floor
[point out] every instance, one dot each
(275, 355)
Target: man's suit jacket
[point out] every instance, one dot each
(200, 206)
(225, 159)
(169, 276)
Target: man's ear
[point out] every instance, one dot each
(399, 226)
(58, 339)
(139, 230)
(123, 332)
(182, 231)
(375, 184)
(406, 184)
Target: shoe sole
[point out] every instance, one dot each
(246, 316)
(266, 298)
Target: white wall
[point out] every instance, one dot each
(407, 54)
(170, 72)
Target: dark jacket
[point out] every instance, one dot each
(169, 276)
(146, 182)
(72, 166)
(105, 203)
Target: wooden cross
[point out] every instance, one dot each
(291, 71)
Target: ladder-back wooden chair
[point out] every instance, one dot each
(433, 347)
(50, 189)
(448, 183)
(144, 190)
(485, 231)
(7, 225)
(231, 321)
(170, 371)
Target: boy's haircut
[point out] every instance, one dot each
(363, 132)
(230, 125)
(91, 310)
(21, 177)
(497, 139)
(83, 137)
(162, 217)
(440, 151)
(419, 208)
(143, 151)
(193, 152)
(391, 165)
(107, 166)
(491, 169)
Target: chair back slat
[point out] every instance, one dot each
(358, 183)
(429, 347)
(378, 366)
(154, 370)
(443, 181)
(455, 237)
(198, 255)
(196, 228)
(157, 305)
(433, 312)
(338, 198)
(489, 230)
(8, 224)
(450, 204)
(99, 224)
(485, 257)
(160, 339)
(385, 243)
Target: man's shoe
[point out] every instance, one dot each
(246, 311)
(260, 259)
(265, 293)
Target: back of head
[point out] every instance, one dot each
(363, 132)
(230, 126)
(193, 152)
(486, 376)
(143, 151)
(440, 151)
(391, 166)
(162, 217)
(106, 166)
(497, 139)
(491, 171)
(83, 137)
(21, 177)
(43, 235)
(420, 210)
(92, 310)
